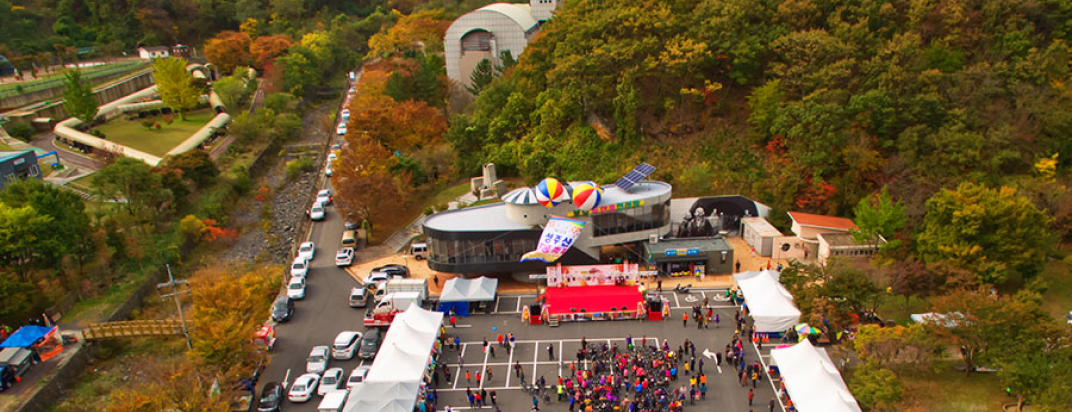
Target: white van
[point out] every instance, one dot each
(419, 250)
(333, 401)
(358, 297)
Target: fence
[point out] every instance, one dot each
(57, 82)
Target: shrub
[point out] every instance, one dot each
(20, 130)
(148, 124)
(98, 133)
(297, 166)
(156, 125)
(428, 210)
(168, 118)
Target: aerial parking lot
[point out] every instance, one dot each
(513, 372)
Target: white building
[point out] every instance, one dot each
(490, 30)
(154, 52)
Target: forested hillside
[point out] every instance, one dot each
(804, 104)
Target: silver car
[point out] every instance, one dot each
(318, 359)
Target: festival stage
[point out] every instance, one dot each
(592, 299)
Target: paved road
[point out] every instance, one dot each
(86, 163)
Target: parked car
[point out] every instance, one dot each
(345, 345)
(7, 377)
(318, 359)
(304, 387)
(316, 213)
(18, 360)
(327, 170)
(349, 238)
(341, 129)
(376, 280)
(357, 377)
(332, 157)
(330, 381)
(419, 251)
(351, 225)
(306, 250)
(299, 268)
(392, 270)
(296, 288)
(344, 257)
(282, 309)
(324, 197)
(271, 398)
(345, 115)
(359, 297)
(370, 344)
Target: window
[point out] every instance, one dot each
(631, 220)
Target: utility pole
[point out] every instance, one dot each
(173, 289)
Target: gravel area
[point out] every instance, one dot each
(286, 204)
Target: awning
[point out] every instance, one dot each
(481, 289)
(393, 381)
(26, 336)
(812, 380)
(770, 305)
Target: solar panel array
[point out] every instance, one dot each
(634, 176)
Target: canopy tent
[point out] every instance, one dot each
(26, 336)
(812, 380)
(768, 302)
(393, 381)
(459, 292)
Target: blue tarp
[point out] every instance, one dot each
(460, 308)
(26, 336)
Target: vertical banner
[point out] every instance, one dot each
(556, 239)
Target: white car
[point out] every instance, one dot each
(318, 359)
(303, 387)
(299, 268)
(316, 213)
(341, 129)
(296, 288)
(345, 345)
(344, 257)
(327, 170)
(306, 250)
(357, 377)
(345, 115)
(378, 278)
(324, 197)
(330, 382)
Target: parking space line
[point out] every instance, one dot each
(484, 368)
(677, 304)
(497, 299)
(509, 362)
(518, 309)
(769, 380)
(535, 358)
(560, 343)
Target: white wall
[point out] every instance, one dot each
(508, 35)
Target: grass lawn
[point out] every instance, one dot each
(83, 182)
(447, 195)
(95, 309)
(1058, 297)
(948, 390)
(896, 308)
(4, 147)
(155, 142)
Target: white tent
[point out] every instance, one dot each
(394, 379)
(481, 289)
(812, 380)
(768, 302)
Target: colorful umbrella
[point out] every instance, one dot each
(803, 329)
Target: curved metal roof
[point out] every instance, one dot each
(519, 13)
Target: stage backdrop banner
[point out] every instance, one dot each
(557, 237)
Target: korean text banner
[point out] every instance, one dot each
(557, 237)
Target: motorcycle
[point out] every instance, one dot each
(682, 289)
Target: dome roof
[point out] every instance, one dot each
(521, 196)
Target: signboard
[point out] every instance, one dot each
(607, 209)
(682, 252)
(538, 276)
(557, 237)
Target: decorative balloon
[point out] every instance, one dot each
(549, 192)
(587, 195)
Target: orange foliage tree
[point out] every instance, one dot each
(229, 49)
(421, 29)
(365, 185)
(403, 126)
(265, 49)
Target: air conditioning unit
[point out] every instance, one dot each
(653, 238)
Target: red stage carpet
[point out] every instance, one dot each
(593, 299)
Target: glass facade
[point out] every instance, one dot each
(456, 252)
(631, 220)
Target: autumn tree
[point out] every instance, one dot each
(896, 346)
(229, 49)
(403, 126)
(265, 49)
(174, 384)
(422, 30)
(227, 310)
(365, 167)
(175, 85)
(875, 387)
(994, 233)
(21, 237)
(131, 184)
(78, 98)
(878, 215)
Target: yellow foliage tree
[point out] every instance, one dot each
(420, 30)
(227, 311)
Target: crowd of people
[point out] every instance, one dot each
(644, 375)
